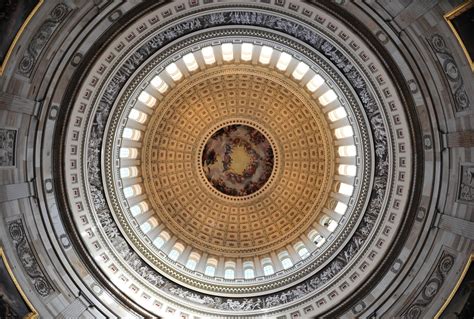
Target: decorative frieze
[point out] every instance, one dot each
(7, 147)
(369, 92)
(340, 61)
(466, 184)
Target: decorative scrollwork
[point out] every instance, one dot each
(7, 147)
(338, 59)
(451, 70)
(466, 184)
(41, 38)
(431, 288)
(28, 259)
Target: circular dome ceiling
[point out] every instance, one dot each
(235, 159)
(236, 241)
(214, 218)
(239, 161)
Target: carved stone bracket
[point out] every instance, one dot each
(41, 38)
(7, 147)
(28, 259)
(431, 287)
(451, 70)
(466, 184)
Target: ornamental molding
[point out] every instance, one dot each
(451, 72)
(330, 52)
(431, 286)
(169, 102)
(28, 259)
(41, 38)
(367, 225)
(364, 229)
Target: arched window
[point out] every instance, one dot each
(265, 55)
(128, 152)
(174, 72)
(337, 114)
(345, 189)
(131, 134)
(268, 270)
(128, 172)
(348, 170)
(139, 208)
(300, 71)
(229, 273)
(347, 150)
(161, 239)
(249, 272)
(190, 62)
(133, 190)
(211, 267)
(227, 51)
(327, 97)
(159, 242)
(301, 250)
(210, 270)
(343, 132)
(135, 210)
(174, 254)
(315, 83)
(285, 259)
(191, 264)
(340, 208)
(267, 267)
(137, 116)
(149, 225)
(246, 51)
(147, 99)
(283, 61)
(159, 84)
(208, 55)
(176, 251)
(328, 222)
(316, 238)
(193, 260)
(229, 270)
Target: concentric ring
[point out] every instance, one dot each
(358, 184)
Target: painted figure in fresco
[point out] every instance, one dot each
(237, 160)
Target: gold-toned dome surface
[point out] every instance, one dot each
(283, 207)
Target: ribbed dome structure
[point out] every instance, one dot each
(236, 159)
